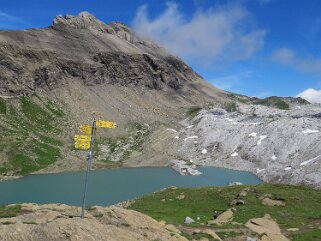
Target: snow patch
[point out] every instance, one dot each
(228, 119)
(234, 154)
(288, 168)
(173, 130)
(258, 170)
(188, 127)
(190, 137)
(253, 134)
(308, 131)
(274, 157)
(261, 139)
(176, 137)
(204, 151)
(308, 161)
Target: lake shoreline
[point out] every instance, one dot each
(107, 187)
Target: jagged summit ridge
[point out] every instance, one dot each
(83, 20)
(86, 20)
(83, 49)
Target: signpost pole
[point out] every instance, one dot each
(89, 163)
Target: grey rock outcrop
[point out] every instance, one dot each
(276, 145)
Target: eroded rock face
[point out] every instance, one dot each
(84, 49)
(62, 222)
(276, 145)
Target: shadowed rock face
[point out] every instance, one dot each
(87, 50)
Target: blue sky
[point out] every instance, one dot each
(252, 47)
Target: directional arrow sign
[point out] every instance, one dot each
(82, 138)
(83, 146)
(82, 141)
(86, 129)
(106, 124)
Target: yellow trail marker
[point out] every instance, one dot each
(86, 129)
(82, 142)
(106, 124)
(83, 146)
(82, 138)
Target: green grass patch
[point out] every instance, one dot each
(54, 109)
(9, 211)
(3, 106)
(273, 101)
(30, 136)
(23, 164)
(32, 157)
(303, 205)
(98, 215)
(29, 222)
(230, 106)
(193, 111)
(37, 115)
(310, 235)
(51, 140)
(230, 234)
(198, 236)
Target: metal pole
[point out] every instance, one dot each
(89, 162)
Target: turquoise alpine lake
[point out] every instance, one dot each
(108, 187)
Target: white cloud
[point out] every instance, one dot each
(8, 21)
(311, 95)
(223, 33)
(289, 57)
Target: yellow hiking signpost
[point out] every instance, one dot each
(106, 124)
(85, 142)
(86, 129)
(82, 142)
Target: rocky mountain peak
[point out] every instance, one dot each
(84, 20)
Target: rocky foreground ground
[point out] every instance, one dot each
(53, 222)
(61, 222)
(246, 213)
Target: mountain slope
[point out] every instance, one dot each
(53, 79)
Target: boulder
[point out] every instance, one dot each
(189, 220)
(180, 197)
(292, 229)
(244, 192)
(172, 229)
(223, 218)
(267, 227)
(212, 233)
(271, 202)
(237, 202)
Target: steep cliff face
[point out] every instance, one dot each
(90, 51)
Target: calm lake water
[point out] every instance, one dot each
(111, 186)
